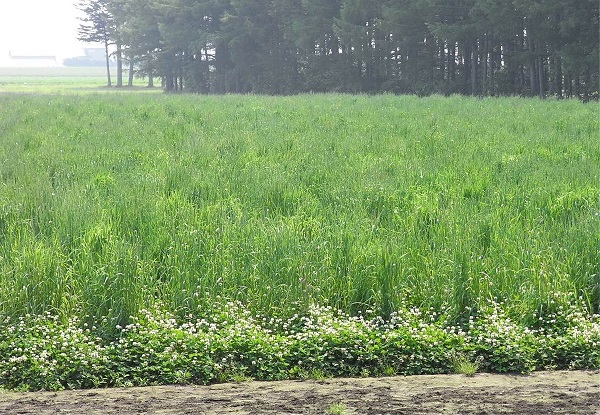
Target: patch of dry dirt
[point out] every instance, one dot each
(561, 392)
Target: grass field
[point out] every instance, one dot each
(61, 80)
(112, 204)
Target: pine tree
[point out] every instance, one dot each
(97, 27)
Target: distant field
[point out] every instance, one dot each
(57, 80)
(58, 72)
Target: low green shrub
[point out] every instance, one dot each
(231, 344)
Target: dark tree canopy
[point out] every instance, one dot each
(474, 47)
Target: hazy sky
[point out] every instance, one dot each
(39, 26)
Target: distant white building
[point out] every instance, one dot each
(27, 59)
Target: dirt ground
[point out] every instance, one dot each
(558, 392)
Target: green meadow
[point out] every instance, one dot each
(62, 80)
(114, 204)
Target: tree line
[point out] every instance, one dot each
(472, 47)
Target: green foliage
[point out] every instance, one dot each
(504, 345)
(336, 409)
(41, 352)
(478, 47)
(461, 364)
(313, 236)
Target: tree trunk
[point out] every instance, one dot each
(568, 85)
(559, 77)
(474, 59)
(150, 75)
(492, 81)
(532, 71)
(485, 66)
(109, 83)
(466, 69)
(520, 47)
(452, 63)
(586, 87)
(168, 80)
(540, 82)
(131, 72)
(119, 66)
(540, 73)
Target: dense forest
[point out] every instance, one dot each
(472, 47)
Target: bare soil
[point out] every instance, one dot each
(560, 392)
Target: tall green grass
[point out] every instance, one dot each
(111, 203)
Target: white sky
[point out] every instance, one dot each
(39, 27)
